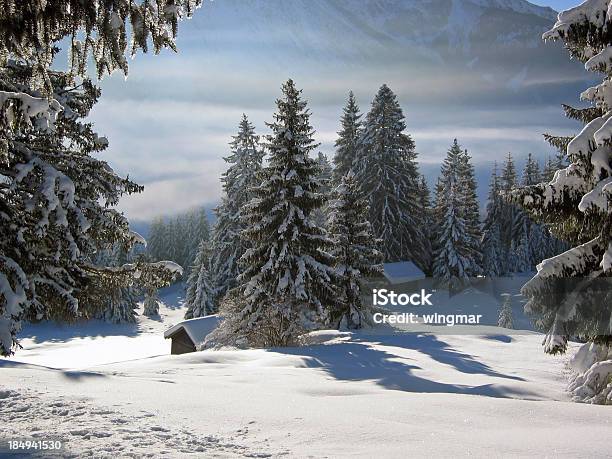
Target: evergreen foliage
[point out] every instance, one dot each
(227, 247)
(349, 138)
(56, 203)
(325, 179)
(31, 29)
(288, 276)
(457, 252)
(471, 213)
(569, 296)
(427, 223)
(122, 301)
(505, 313)
(200, 293)
(151, 302)
(387, 174)
(177, 239)
(493, 255)
(56, 198)
(355, 253)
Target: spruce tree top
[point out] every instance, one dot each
(286, 269)
(292, 139)
(348, 138)
(508, 176)
(386, 112)
(245, 158)
(531, 172)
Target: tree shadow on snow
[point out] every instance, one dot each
(438, 350)
(54, 332)
(73, 375)
(173, 296)
(500, 338)
(358, 360)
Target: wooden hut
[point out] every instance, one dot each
(187, 335)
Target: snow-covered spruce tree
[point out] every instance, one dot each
(427, 224)
(508, 214)
(471, 213)
(198, 230)
(541, 244)
(355, 253)
(493, 265)
(450, 260)
(387, 174)
(151, 302)
(320, 215)
(457, 255)
(348, 139)
(155, 241)
(55, 197)
(570, 295)
(245, 162)
(54, 200)
(200, 293)
(505, 319)
(531, 172)
(288, 276)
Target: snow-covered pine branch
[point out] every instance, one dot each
(100, 30)
(118, 302)
(570, 293)
(55, 205)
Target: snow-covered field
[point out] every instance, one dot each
(115, 391)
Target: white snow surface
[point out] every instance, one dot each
(114, 391)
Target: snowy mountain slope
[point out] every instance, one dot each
(373, 29)
(380, 393)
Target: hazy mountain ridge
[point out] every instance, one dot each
(499, 39)
(343, 25)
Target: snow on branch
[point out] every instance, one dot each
(594, 12)
(13, 286)
(37, 112)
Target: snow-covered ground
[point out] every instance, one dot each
(115, 391)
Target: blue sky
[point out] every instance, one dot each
(557, 5)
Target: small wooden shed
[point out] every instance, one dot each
(187, 335)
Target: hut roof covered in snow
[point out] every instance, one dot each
(188, 334)
(402, 272)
